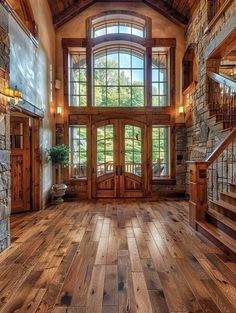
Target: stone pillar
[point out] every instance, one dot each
(5, 186)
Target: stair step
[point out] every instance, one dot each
(217, 236)
(229, 197)
(226, 224)
(224, 208)
(232, 187)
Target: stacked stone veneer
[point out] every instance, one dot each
(4, 135)
(203, 134)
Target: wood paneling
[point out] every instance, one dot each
(110, 256)
(177, 11)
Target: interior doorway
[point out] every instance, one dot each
(25, 163)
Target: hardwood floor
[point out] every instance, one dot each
(114, 257)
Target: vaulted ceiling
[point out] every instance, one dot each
(177, 11)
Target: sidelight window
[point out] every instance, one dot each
(78, 151)
(160, 151)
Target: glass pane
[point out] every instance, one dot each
(125, 28)
(138, 77)
(125, 60)
(105, 153)
(112, 29)
(78, 151)
(137, 61)
(99, 32)
(100, 77)
(160, 151)
(77, 77)
(159, 79)
(133, 150)
(118, 77)
(112, 59)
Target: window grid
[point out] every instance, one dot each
(77, 79)
(133, 150)
(134, 88)
(160, 77)
(160, 151)
(121, 27)
(78, 151)
(105, 150)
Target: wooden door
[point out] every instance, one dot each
(133, 165)
(118, 159)
(104, 160)
(20, 164)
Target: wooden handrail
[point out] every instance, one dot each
(221, 147)
(221, 79)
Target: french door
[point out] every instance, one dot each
(119, 159)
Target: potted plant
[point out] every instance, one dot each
(59, 155)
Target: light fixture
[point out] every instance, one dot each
(59, 110)
(181, 109)
(12, 94)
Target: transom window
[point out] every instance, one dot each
(78, 151)
(160, 151)
(118, 78)
(119, 27)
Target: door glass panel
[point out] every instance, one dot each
(133, 150)
(17, 131)
(160, 151)
(105, 150)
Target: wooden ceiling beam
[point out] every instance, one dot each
(164, 8)
(78, 7)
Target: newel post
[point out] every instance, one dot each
(198, 192)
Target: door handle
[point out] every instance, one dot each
(120, 170)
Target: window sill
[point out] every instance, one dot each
(217, 16)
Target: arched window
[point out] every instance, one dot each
(118, 77)
(114, 23)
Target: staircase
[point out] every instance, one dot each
(220, 223)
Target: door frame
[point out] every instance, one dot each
(119, 130)
(35, 123)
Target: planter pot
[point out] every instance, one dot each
(57, 192)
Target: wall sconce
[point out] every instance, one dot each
(181, 109)
(12, 95)
(59, 110)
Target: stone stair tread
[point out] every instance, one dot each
(219, 235)
(230, 194)
(226, 205)
(222, 218)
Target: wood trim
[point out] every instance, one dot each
(217, 16)
(83, 42)
(36, 165)
(172, 77)
(221, 147)
(190, 88)
(221, 79)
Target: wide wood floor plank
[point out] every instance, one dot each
(114, 256)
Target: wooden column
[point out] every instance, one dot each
(198, 192)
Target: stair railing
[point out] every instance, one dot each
(222, 99)
(211, 177)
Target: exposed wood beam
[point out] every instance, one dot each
(166, 10)
(77, 8)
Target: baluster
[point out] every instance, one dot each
(222, 172)
(227, 169)
(217, 177)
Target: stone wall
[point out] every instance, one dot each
(4, 135)
(203, 133)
